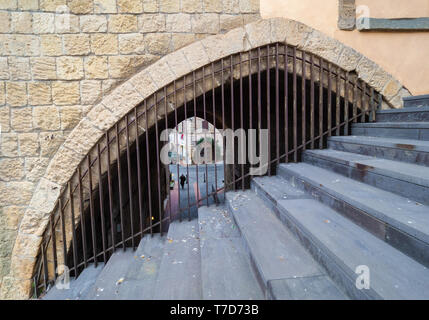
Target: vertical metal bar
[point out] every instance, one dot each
(329, 100)
(277, 106)
(370, 103)
(312, 100)
(118, 149)
(54, 245)
(149, 185)
(295, 102)
(337, 109)
(373, 106)
(269, 109)
(101, 198)
(139, 182)
(63, 231)
(241, 120)
(303, 99)
(82, 218)
(195, 129)
(250, 100)
(346, 104)
(186, 144)
(205, 119)
(214, 124)
(168, 178)
(177, 143)
(91, 211)
(74, 244)
(232, 115)
(157, 164)
(363, 98)
(286, 92)
(45, 266)
(355, 100)
(223, 128)
(321, 129)
(259, 97)
(109, 182)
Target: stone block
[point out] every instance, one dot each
(131, 43)
(96, 67)
(130, 6)
(39, 93)
(29, 144)
(43, 68)
(76, 44)
(93, 23)
(70, 68)
(123, 23)
(46, 118)
(90, 91)
(70, 117)
(65, 93)
(104, 44)
(51, 45)
(16, 93)
(22, 119)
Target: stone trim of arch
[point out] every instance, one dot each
(110, 110)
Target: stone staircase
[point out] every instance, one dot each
(302, 234)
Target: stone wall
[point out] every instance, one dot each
(58, 58)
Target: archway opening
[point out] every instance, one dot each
(122, 192)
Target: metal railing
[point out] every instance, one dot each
(115, 197)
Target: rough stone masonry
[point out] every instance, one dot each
(60, 57)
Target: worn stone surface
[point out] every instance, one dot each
(346, 14)
(39, 93)
(70, 68)
(93, 23)
(122, 23)
(70, 116)
(324, 46)
(90, 91)
(29, 144)
(11, 169)
(132, 43)
(43, 68)
(22, 119)
(16, 93)
(51, 45)
(180, 22)
(66, 93)
(46, 118)
(104, 44)
(57, 68)
(76, 44)
(349, 59)
(19, 68)
(96, 67)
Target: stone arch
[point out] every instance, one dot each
(145, 83)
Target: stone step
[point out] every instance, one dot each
(140, 278)
(179, 276)
(405, 150)
(278, 259)
(400, 130)
(226, 270)
(412, 114)
(345, 250)
(106, 287)
(397, 220)
(78, 288)
(416, 101)
(407, 180)
(273, 189)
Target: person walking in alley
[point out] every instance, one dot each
(182, 181)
